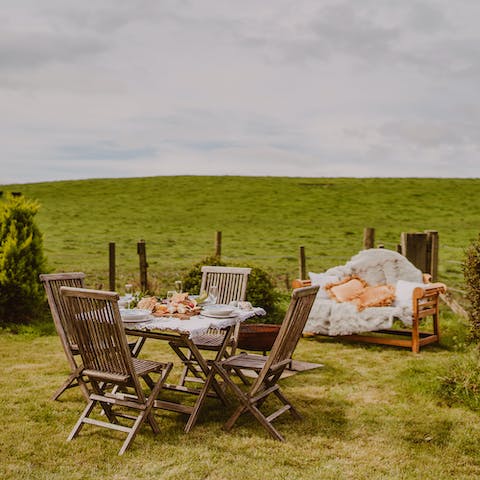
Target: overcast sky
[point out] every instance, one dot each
(357, 88)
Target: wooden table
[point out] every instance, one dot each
(183, 332)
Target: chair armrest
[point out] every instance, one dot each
(432, 289)
(298, 283)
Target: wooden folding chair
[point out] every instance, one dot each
(94, 318)
(52, 283)
(232, 286)
(268, 368)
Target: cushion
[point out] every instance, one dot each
(347, 289)
(378, 296)
(322, 279)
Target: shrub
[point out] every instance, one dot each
(461, 385)
(260, 289)
(22, 296)
(471, 272)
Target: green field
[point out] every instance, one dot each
(370, 412)
(263, 220)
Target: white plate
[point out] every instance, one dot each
(216, 315)
(218, 310)
(134, 314)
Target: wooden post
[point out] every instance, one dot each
(368, 237)
(432, 253)
(142, 254)
(414, 247)
(302, 264)
(111, 265)
(218, 244)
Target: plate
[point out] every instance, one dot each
(134, 314)
(218, 310)
(217, 315)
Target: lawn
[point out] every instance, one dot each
(370, 412)
(264, 221)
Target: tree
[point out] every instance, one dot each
(21, 261)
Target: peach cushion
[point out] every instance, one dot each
(347, 289)
(379, 296)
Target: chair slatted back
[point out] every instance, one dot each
(289, 334)
(231, 282)
(52, 283)
(94, 317)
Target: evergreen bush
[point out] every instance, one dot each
(22, 297)
(471, 272)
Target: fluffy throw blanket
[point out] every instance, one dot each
(377, 266)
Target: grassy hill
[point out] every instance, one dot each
(369, 412)
(264, 220)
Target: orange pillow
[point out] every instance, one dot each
(379, 296)
(347, 289)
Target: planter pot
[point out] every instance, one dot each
(257, 336)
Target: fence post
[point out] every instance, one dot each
(432, 253)
(111, 265)
(218, 244)
(302, 264)
(142, 254)
(368, 238)
(414, 247)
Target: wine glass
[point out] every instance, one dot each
(170, 295)
(213, 293)
(128, 294)
(178, 286)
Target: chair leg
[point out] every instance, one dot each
(232, 420)
(285, 401)
(187, 364)
(68, 383)
(415, 336)
(78, 426)
(73, 380)
(132, 433)
(200, 401)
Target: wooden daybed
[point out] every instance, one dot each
(425, 301)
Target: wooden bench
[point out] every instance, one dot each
(425, 304)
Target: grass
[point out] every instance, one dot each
(370, 412)
(263, 220)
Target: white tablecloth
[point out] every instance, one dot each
(196, 325)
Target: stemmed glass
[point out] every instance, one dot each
(128, 294)
(213, 293)
(170, 295)
(178, 286)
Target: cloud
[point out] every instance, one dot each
(341, 88)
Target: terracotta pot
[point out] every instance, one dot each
(257, 336)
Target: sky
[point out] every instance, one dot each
(304, 88)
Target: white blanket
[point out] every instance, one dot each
(377, 266)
